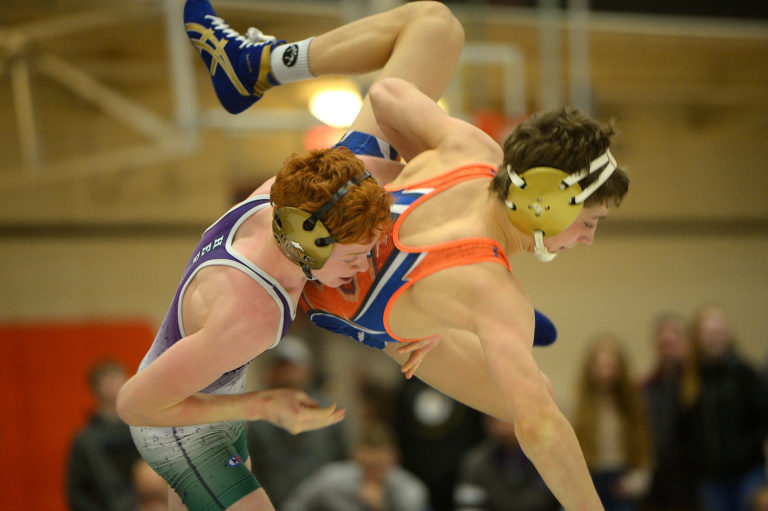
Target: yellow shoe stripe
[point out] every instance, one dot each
(265, 66)
(215, 48)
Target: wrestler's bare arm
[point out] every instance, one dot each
(485, 360)
(415, 125)
(232, 327)
(504, 323)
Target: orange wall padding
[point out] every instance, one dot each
(46, 400)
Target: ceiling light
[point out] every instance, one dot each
(336, 107)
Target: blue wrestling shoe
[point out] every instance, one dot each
(239, 66)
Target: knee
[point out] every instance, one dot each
(432, 15)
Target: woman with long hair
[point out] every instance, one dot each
(612, 426)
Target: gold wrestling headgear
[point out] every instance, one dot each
(301, 235)
(544, 201)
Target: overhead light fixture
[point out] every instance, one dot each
(336, 107)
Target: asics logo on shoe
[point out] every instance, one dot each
(210, 44)
(291, 55)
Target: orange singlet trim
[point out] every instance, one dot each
(448, 253)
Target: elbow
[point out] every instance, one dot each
(385, 91)
(539, 428)
(437, 20)
(126, 407)
(385, 97)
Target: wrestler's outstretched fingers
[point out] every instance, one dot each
(316, 418)
(418, 350)
(294, 411)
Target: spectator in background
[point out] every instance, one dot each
(672, 487)
(612, 426)
(764, 370)
(284, 459)
(434, 432)
(725, 415)
(102, 454)
(495, 475)
(371, 481)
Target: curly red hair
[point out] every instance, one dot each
(308, 179)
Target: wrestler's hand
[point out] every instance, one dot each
(418, 350)
(295, 411)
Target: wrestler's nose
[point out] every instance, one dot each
(588, 237)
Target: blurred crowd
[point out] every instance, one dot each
(688, 436)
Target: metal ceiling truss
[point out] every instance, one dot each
(171, 138)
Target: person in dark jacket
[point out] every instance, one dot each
(495, 475)
(102, 453)
(725, 416)
(672, 486)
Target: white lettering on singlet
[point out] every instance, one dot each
(210, 246)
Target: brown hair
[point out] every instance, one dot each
(102, 368)
(629, 404)
(565, 139)
(308, 179)
(376, 434)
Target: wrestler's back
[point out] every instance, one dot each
(439, 302)
(446, 302)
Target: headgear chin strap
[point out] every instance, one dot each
(539, 250)
(301, 235)
(544, 201)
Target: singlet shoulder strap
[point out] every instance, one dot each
(457, 175)
(446, 254)
(463, 248)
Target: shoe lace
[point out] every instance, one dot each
(253, 36)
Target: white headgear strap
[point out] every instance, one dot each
(605, 163)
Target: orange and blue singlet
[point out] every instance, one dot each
(361, 308)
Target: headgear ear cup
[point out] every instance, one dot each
(299, 244)
(301, 235)
(541, 204)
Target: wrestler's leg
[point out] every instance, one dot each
(174, 501)
(256, 500)
(204, 467)
(419, 42)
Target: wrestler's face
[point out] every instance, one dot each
(346, 260)
(582, 230)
